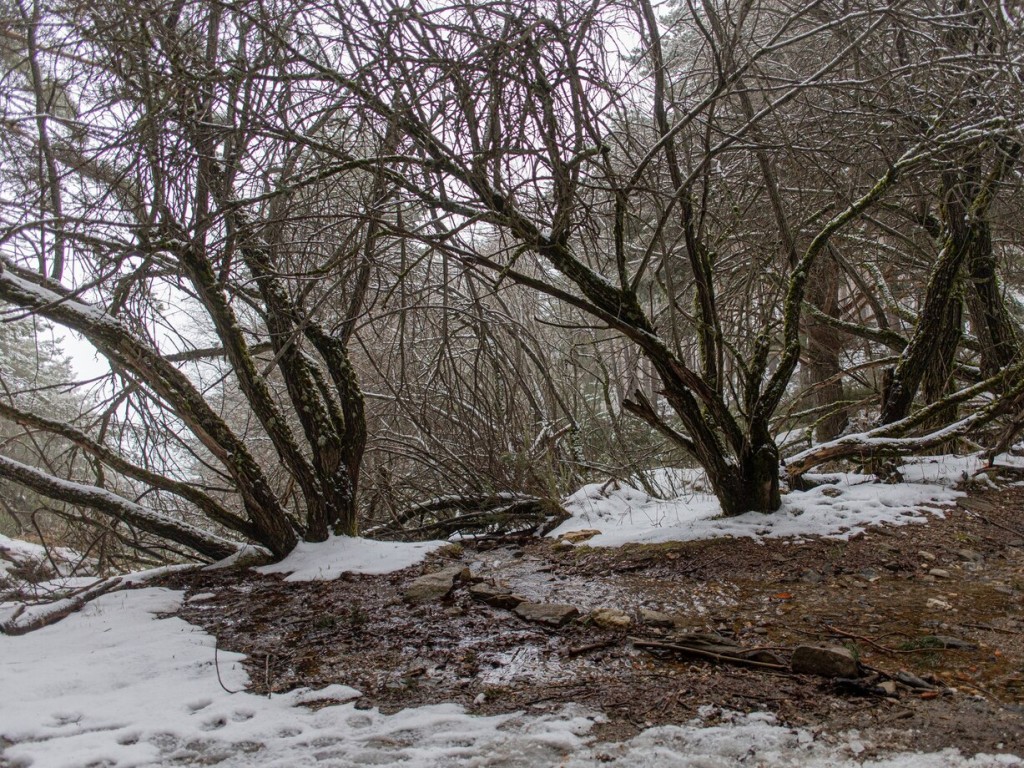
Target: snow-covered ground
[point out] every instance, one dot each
(347, 554)
(117, 685)
(843, 505)
(122, 683)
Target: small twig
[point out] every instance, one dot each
(862, 638)
(579, 650)
(655, 645)
(885, 648)
(216, 666)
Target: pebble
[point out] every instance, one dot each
(827, 661)
(939, 573)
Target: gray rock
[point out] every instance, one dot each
(830, 661)
(939, 573)
(945, 641)
(974, 504)
(611, 618)
(970, 555)
(552, 614)
(723, 646)
(434, 586)
(656, 618)
(888, 687)
(495, 596)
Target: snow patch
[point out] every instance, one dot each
(327, 560)
(117, 685)
(843, 506)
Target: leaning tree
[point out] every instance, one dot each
(624, 185)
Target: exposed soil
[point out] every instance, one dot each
(880, 595)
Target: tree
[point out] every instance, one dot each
(519, 122)
(513, 229)
(151, 179)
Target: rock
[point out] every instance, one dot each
(926, 555)
(434, 586)
(974, 504)
(723, 646)
(830, 661)
(913, 681)
(969, 555)
(495, 596)
(656, 618)
(575, 537)
(811, 577)
(939, 573)
(610, 618)
(938, 604)
(552, 614)
(888, 688)
(945, 641)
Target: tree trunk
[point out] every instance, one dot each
(996, 331)
(822, 373)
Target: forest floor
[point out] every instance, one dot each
(941, 599)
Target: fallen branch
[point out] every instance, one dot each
(205, 543)
(690, 650)
(26, 620)
(478, 512)
(888, 440)
(580, 650)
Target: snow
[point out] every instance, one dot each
(119, 686)
(844, 505)
(15, 553)
(324, 561)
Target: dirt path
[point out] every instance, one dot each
(942, 600)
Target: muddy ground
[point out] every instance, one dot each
(897, 597)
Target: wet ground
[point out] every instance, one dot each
(942, 600)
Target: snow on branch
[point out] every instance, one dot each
(207, 544)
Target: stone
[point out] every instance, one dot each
(969, 555)
(656, 618)
(938, 604)
(575, 537)
(974, 504)
(552, 614)
(723, 646)
(939, 573)
(888, 688)
(610, 618)
(825, 661)
(495, 596)
(436, 585)
(955, 643)
(926, 555)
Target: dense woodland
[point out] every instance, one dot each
(368, 266)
